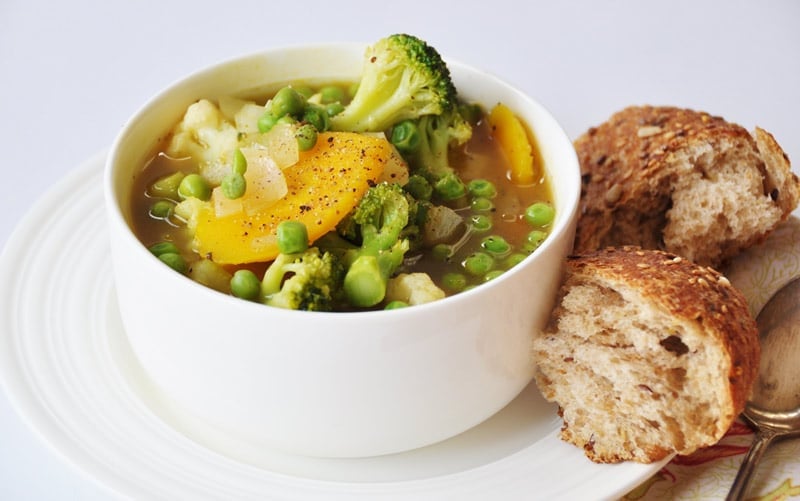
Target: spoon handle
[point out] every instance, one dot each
(741, 483)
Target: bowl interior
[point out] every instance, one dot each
(260, 73)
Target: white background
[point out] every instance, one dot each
(71, 73)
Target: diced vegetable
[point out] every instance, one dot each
(323, 187)
(266, 184)
(208, 138)
(510, 133)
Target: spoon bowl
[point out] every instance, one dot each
(774, 407)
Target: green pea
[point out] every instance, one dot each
(287, 101)
(481, 204)
(514, 259)
(405, 136)
(534, 239)
(267, 122)
(450, 187)
(233, 185)
(292, 237)
(418, 187)
(482, 188)
(471, 112)
(163, 248)
(317, 117)
(442, 252)
(174, 261)
(454, 281)
(331, 94)
(334, 109)
(396, 304)
(306, 136)
(491, 275)
(245, 284)
(540, 214)
(304, 90)
(287, 119)
(161, 209)
(478, 264)
(194, 186)
(167, 186)
(480, 222)
(239, 162)
(495, 244)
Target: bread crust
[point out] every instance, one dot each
(685, 292)
(633, 163)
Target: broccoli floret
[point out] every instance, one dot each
(430, 156)
(378, 222)
(309, 280)
(403, 78)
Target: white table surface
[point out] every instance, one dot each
(71, 73)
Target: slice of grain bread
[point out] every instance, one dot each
(681, 181)
(646, 354)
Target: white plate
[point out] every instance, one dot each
(67, 368)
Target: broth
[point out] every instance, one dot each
(480, 158)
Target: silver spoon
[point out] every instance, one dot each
(774, 408)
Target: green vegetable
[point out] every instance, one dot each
(405, 136)
(534, 239)
(481, 204)
(454, 281)
(267, 122)
(431, 157)
(540, 214)
(480, 222)
(233, 185)
(239, 162)
(490, 275)
(334, 109)
(403, 78)
(304, 90)
(316, 116)
(478, 263)
(310, 280)
(174, 261)
(245, 284)
(513, 260)
(495, 244)
(163, 248)
(449, 187)
(393, 305)
(292, 237)
(378, 221)
(306, 136)
(332, 94)
(442, 252)
(482, 188)
(194, 186)
(162, 209)
(287, 101)
(418, 187)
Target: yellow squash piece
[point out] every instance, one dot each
(323, 187)
(510, 133)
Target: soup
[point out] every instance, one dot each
(455, 236)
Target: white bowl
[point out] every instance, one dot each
(332, 384)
